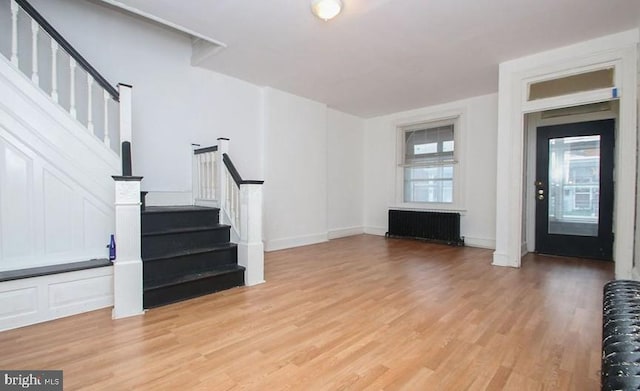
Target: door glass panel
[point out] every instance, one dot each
(574, 185)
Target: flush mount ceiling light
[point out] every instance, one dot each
(326, 9)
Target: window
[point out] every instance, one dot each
(429, 163)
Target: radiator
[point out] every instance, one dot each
(436, 226)
(621, 336)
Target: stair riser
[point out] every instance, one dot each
(159, 245)
(153, 222)
(188, 264)
(191, 289)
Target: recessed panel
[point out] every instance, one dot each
(16, 173)
(80, 292)
(19, 302)
(98, 225)
(58, 214)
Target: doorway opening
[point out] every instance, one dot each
(570, 181)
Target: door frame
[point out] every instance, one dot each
(618, 51)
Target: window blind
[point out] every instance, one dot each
(429, 146)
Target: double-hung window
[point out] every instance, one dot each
(429, 162)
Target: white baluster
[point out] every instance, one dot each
(14, 33)
(198, 174)
(210, 174)
(206, 175)
(34, 52)
(214, 164)
(229, 190)
(107, 138)
(203, 175)
(90, 104)
(236, 206)
(72, 90)
(54, 70)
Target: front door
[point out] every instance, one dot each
(574, 189)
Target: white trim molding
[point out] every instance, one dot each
(344, 232)
(163, 198)
(378, 231)
(38, 299)
(515, 75)
(456, 116)
(487, 243)
(295, 241)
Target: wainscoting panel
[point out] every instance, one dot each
(56, 190)
(38, 299)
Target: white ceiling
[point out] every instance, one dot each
(384, 56)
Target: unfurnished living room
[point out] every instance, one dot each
(319, 195)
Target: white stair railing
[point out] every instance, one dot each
(216, 182)
(53, 65)
(39, 52)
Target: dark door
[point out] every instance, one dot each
(574, 189)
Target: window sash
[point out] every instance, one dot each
(430, 145)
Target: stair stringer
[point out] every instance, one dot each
(56, 190)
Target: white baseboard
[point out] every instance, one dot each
(524, 249)
(344, 232)
(380, 231)
(33, 300)
(297, 241)
(480, 242)
(207, 203)
(502, 260)
(165, 198)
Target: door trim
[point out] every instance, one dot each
(620, 48)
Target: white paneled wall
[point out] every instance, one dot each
(56, 190)
(33, 300)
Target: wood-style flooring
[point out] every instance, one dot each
(359, 313)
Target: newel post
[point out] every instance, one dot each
(221, 183)
(127, 267)
(125, 91)
(250, 248)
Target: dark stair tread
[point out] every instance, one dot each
(176, 209)
(181, 279)
(169, 231)
(175, 254)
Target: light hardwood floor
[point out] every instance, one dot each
(356, 313)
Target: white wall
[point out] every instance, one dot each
(275, 136)
(174, 104)
(345, 168)
(295, 188)
(478, 152)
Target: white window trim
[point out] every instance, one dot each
(458, 118)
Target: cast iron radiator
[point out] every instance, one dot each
(621, 336)
(437, 226)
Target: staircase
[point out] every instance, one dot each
(186, 253)
(65, 135)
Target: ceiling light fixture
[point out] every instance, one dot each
(326, 9)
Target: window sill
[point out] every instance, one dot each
(429, 207)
